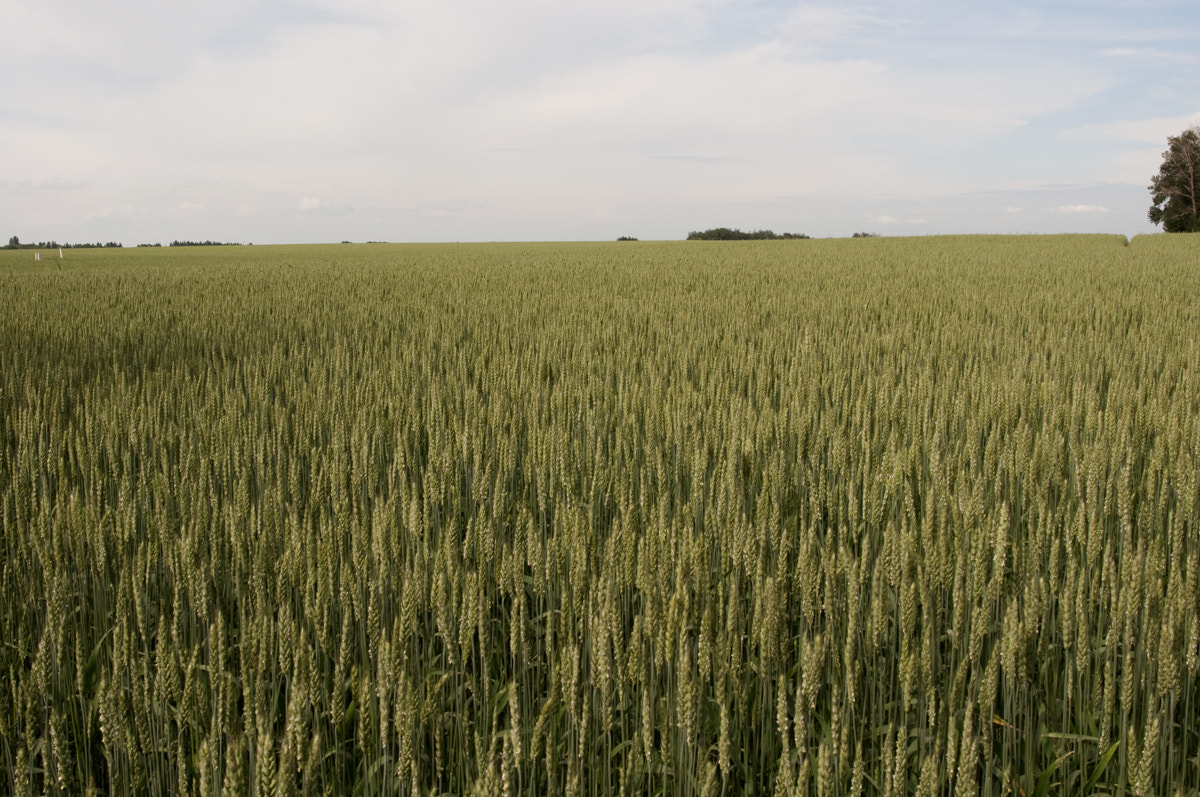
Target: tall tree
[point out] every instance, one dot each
(1174, 188)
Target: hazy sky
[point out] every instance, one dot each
(273, 122)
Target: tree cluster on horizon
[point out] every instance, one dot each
(727, 234)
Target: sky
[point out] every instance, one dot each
(475, 120)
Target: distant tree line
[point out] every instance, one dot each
(726, 234)
(865, 235)
(15, 243)
(627, 238)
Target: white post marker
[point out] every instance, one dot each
(60, 253)
(37, 255)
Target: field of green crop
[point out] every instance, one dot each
(854, 517)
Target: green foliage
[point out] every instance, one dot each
(726, 234)
(920, 518)
(1176, 187)
(15, 243)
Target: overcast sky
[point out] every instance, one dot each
(276, 122)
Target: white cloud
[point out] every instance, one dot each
(784, 125)
(312, 204)
(1012, 209)
(1080, 209)
(1150, 53)
(1136, 131)
(109, 214)
(539, 113)
(811, 23)
(31, 186)
(1134, 166)
(887, 220)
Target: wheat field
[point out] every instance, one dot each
(870, 517)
